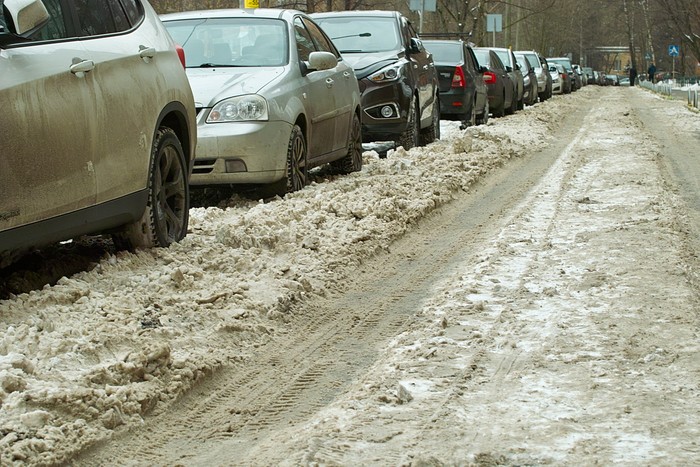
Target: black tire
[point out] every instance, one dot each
(409, 138)
(521, 103)
(165, 219)
(484, 118)
(500, 111)
(296, 176)
(352, 161)
(513, 103)
(432, 133)
(472, 114)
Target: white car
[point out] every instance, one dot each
(556, 71)
(274, 97)
(97, 125)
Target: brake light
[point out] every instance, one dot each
(458, 80)
(489, 77)
(180, 54)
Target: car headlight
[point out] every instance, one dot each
(390, 73)
(239, 109)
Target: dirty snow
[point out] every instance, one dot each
(102, 349)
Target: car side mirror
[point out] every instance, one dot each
(415, 46)
(26, 17)
(509, 69)
(483, 69)
(319, 61)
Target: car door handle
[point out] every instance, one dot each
(329, 82)
(80, 66)
(147, 52)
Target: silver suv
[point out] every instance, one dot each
(97, 125)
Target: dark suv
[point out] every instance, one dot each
(396, 74)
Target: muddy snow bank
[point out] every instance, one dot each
(102, 349)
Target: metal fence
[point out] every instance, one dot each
(693, 94)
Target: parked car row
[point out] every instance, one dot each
(224, 97)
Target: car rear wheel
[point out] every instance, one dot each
(409, 138)
(483, 119)
(352, 161)
(164, 221)
(500, 110)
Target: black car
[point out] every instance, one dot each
(463, 93)
(501, 89)
(396, 74)
(511, 65)
(529, 79)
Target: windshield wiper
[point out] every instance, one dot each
(363, 34)
(215, 65)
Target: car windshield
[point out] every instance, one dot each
(361, 34)
(222, 42)
(445, 52)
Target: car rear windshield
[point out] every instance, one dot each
(445, 52)
(563, 62)
(362, 34)
(222, 42)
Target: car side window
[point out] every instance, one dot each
(305, 45)
(497, 63)
(97, 17)
(56, 27)
(321, 42)
(134, 11)
(470, 59)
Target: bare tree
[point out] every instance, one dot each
(684, 17)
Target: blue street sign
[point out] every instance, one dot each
(673, 50)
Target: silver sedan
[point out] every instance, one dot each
(274, 97)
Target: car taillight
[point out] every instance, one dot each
(180, 54)
(489, 77)
(458, 80)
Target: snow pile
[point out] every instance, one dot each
(100, 350)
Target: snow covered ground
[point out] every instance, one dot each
(101, 350)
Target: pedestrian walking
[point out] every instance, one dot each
(652, 72)
(633, 75)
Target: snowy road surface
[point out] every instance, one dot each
(524, 292)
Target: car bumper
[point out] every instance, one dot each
(241, 152)
(376, 96)
(454, 104)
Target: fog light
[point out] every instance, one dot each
(387, 111)
(235, 165)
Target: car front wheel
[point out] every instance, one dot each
(164, 221)
(296, 175)
(432, 133)
(409, 138)
(352, 161)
